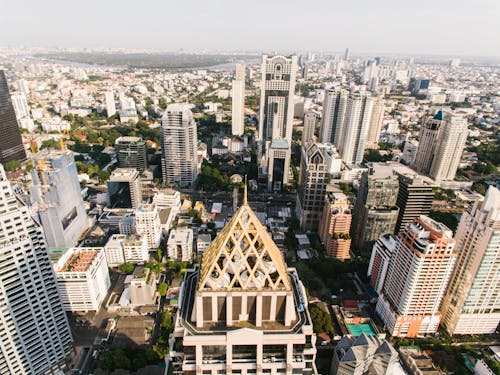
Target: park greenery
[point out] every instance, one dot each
(447, 218)
(131, 358)
(322, 322)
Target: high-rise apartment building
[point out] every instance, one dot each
(148, 224)
(355, 128)
(380, 259)
(131, 152)
(415, 198)
(332, 120)
(472, 301)
(124, 188)
(419, 271)
(277, 90)
(318, 162)
(335, 225)
(449, 147)
(427, 143)
(179, 144)
(11, 143)
(375, 212)
(20, 106)
(376, 121)
(82, 278)
(35, 337)
(57, 199)
(243, 311)
(109, 102)
(345, 123)
(310, 120)
(238, 101)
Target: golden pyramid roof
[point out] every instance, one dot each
(243, 257)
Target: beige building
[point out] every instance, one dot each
(243, 311)
(376, 122)
(238, 101)
(472, 302)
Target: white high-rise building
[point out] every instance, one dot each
(449, 148)
(277, 88)
(352, 142)
(472, 301)
(109, 101)
(20, 106)
(35, 337)
(420, 268)
(57, 199)
(334, 106)
(428, 139)
(238, 101)
(179, 144)
(148, 224)
(82, 278)
(310, 120)
(376, 121)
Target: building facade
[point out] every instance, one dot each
(332, 120)
(180, 244)
(335, 225)
(472, 301)
(131, 152)
(148, 224)
(238, 101)
(179, 144)
(427, 143)
(82, 278)
(57, 199)
(419, 271)
(310, 119)
(109, 102)
(380, 259)
(124, 188)
(277, 89)
(35, 336)
(243, 311)
(376, 121)
(11, 143)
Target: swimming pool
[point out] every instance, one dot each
(358, 329)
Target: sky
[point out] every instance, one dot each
(419, 27)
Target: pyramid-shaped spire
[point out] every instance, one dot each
(243, 257)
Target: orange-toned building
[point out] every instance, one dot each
(419, 271)
(334, 226)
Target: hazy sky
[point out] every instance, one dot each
(446, 27)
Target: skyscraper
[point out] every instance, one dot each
(57, 199)
(238, 101)
(375, 212)
(335, 225)
(11, 143)
(179, 144)
(20, 106)
(35, 337)
(415, 198)
(109, 101)
(427, 144)
(332, 121)
(472, 301)
(376, 121)
(380, 259)
(318, 162)
(131, 153)
(310, 119)
(418, 274)
(243, 310)
(449, 147)
(277, 89)
(352, 143)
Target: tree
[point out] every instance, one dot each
(345, 187)
(162, 289)
(159, 254)
(321, 320)
(49, 143)
(127, 268)
(103, 176)
(12, 165)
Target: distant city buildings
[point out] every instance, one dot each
(131, 152)
(376, 121)
(34, 332)
(419, 270)
(109, 102)
(472, 304)
(57, 199)
(11, 144)
(124, 188)
(82, 279)
(179, 146)
(335, 225)
(238, 101)
(274, 137)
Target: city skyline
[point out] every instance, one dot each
(441, 26)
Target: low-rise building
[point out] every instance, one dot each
(180, 244)
(82, 278)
